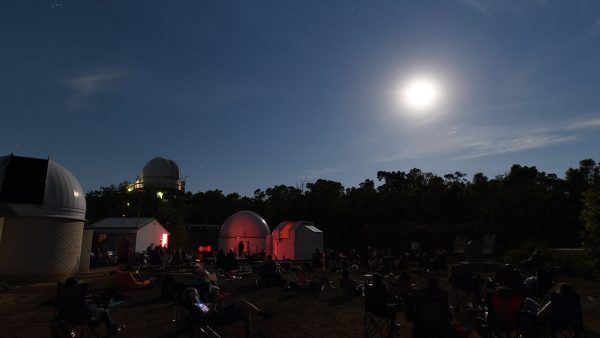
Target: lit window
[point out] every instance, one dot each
(165, 240)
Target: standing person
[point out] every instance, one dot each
(316, 259)
(157, 255)
(240, 248)
(123, 250)
(230, 261)
(220, 259)
(177, 257)
(152, 255)
(167, 257)
(248, 248)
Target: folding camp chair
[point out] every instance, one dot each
(378, 323)
(426, 312)
(182, 320)
(71, 315)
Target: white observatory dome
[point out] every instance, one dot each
(245, 226)
(42, 210)
(40, 188)
(161, 167)
(160, 173)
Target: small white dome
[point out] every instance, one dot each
(161, 167)
(160, 173)
(40, 188)
(244, 224)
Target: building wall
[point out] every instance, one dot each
(35, 248)
(86, 247)
(150, 233)
(306, 243)
(284, 248)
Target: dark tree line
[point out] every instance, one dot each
(522, 205)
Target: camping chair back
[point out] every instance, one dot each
(378, 323)
(71, 305)
(181, 315)
(566, 314)
(375, 300)
(428, 310)
(348, 287)
(504, 313)
(461, 278)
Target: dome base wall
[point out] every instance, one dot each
(35, 248)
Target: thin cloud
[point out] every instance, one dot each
(491, 8)
(478, 6)
(83, 86)
(523, 143)
(468, 143)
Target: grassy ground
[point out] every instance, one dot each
(294, 315)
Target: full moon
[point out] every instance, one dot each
(421, 94)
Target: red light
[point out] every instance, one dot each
(207, 248)
(165, 240)
(285, 231)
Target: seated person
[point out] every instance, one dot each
(270, 272)
(562, 312)
(504, 310)
(98, 312)
(203, 313)
(348, 285)
(377, 299)
(402, 285)
(429, 311)
(206, 289)
(508, 277)
(130, 280)
(301, 282)
(439, 262)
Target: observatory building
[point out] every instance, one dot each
(42, 211)
(159, 174)
(296, 240)
(245, 226)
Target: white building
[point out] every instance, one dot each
(42, 211)
(141, 232)
(296, 240)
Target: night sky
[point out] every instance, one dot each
(249, 94)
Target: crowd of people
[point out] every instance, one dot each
(512, 299)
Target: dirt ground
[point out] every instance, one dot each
(328, 314)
